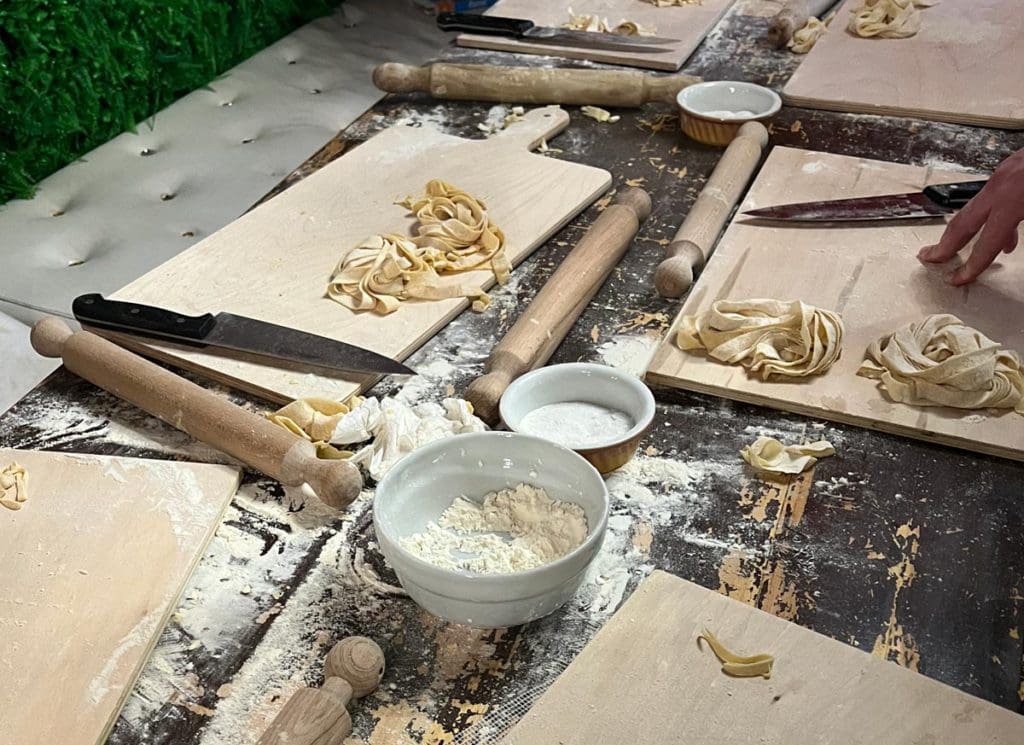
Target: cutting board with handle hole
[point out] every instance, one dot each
(867, 272)
(644, 679)
(93, 564)
(689, 24)
(960, 67)
(274, 262)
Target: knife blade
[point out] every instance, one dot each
(521, 28)
(229, 331)
(933, 202)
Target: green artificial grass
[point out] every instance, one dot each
(75, 73)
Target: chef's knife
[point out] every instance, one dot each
(934, 201)
(229, 331)
(520, 28)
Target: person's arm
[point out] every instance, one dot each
(993, 216)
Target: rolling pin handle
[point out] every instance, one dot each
(49, 335)
(395, 77)
(689, 250)
(635, 199)
(675, 275)
(337, 483)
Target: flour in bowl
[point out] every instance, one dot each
(576, 424)
(512, 530)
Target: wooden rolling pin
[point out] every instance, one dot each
(792, 17)
(542, 85)
(693, 242)
(540, 329)
(206, 416)
(312, 716)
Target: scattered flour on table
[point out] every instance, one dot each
(467, 535)
(576, 424)
(630, 354)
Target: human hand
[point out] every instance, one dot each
(993, 215)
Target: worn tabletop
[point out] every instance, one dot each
(910, 551)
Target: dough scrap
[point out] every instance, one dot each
(736, 665)
(598, 114)
(13, 486)
(315, 419)
(768, 454)
(394, 427)
(454, 234)
(595, 23)
(772, 337)
(887, 19)
(805, 37)
(941, 362)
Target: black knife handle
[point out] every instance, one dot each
(954, 195)
(489, 25)
(145, 320)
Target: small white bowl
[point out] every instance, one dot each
(423, 484)
(590, 383)
(713, 112)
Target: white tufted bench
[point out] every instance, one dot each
(139, 199)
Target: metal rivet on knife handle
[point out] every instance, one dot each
(791, 18)
(206, 416)
(693, 242)
(532, 85)
(545, 322)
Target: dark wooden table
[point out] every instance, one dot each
(908, 550)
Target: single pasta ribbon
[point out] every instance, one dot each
(736, 665)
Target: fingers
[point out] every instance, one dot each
(964, 226)
(999, 235)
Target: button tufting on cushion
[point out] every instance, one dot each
(139, 199)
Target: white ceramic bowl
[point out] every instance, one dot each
(713, 112)
(596, 384)
(423, 484)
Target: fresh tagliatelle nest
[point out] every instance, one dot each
(785, 338)
(454, 234)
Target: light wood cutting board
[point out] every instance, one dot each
(689, 24)
(274, 262)
(643, 679)
(92, 566)
(871, 276)
(962, 66)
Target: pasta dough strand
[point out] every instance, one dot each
(941, 362)
(805, 37)
(736, 665)
(768, 454)
(770, 337)
(13, 486)
(454, 235)
(887, 19)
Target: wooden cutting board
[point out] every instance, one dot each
(92, 566)
(871, 276)
(960, 67)
(644, 679)
(274, 262)
(689, 24)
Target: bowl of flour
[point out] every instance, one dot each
(491, 529)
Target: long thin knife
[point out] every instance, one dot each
(226, 331)
(526, 30)
(935, 201)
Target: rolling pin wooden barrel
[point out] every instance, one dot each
(792, 17)
(540, 329)
(319, 716)
(693, 242)
(534, 85)
(206, 416)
